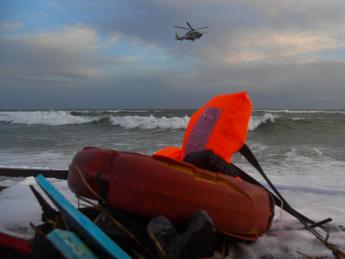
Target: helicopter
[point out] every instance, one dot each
(191, 34)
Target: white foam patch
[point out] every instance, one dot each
(111, 111)
(286, 239)
(40, 160)
(298, 119)
(331, 191)
(296, 168)
(19, 206)
(304, 111)
(53, 118)
(150, 122)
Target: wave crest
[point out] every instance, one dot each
(52, 118)
(150, 122)
(58, 118)
(304, 111)
(256, 121)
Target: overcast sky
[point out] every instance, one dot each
(122, 54)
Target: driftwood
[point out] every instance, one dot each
(23, 172)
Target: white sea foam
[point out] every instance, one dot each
(124, 110)
(19, 206)
(312, 189)
(298, 119)
(40, 160)
(304, 180)
(53, 118)
(57, 118)
(286, 238)
(256, 121)
(303, 111)
(150, 122)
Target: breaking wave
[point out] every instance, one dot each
(106, 112)
(303, 111)
(159, 119)
(58, 118)
(150, 122)
(52, 118)
(256, 121)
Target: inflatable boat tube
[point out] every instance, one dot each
(151, 186)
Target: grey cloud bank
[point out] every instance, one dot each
(287, 54)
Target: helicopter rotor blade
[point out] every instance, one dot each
(202, 28)
(190, 26)
(181, 27)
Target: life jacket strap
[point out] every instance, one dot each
(247, 153)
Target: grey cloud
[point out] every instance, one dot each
(32, 58)
(313, 86)
(52, 77)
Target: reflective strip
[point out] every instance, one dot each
(202, 130)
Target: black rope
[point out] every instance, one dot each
(307, 223)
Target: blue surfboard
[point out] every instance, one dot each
(69, 245)
(85, 227)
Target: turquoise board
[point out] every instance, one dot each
(69, 245)
(85, 227)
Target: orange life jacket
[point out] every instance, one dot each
(220, 125)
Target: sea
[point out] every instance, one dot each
(295, 147)
(285, 141)
(301, 151)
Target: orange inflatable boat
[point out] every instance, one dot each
(163, 184)
(151, 186)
